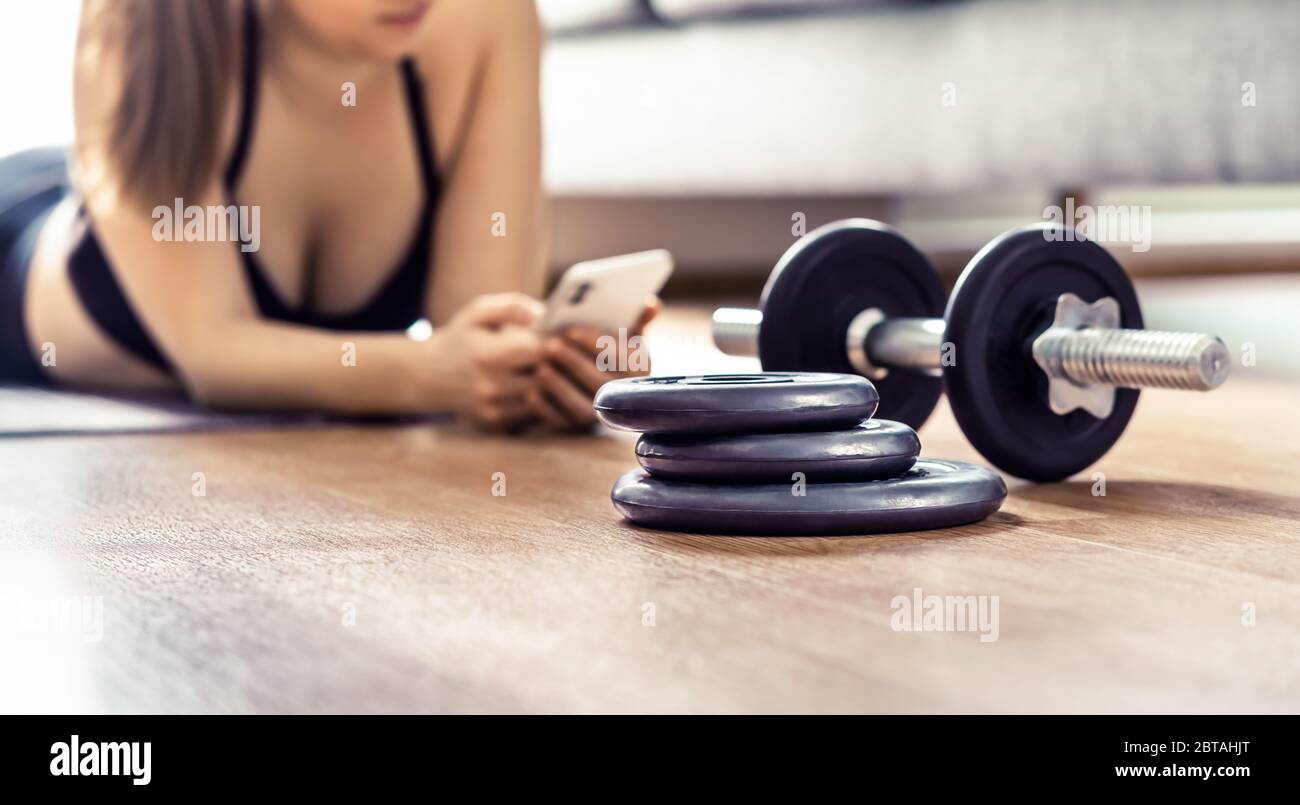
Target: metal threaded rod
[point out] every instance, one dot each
(1139, 358)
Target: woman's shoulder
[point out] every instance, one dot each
(483, 27)
(487, 21)
(473, 48)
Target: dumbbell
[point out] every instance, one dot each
(1040, 347)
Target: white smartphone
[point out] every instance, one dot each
(606, 294)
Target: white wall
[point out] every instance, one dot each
(36, 43)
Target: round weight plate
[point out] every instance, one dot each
(1004, 299)
(828, 277)
(766, 401)
(933, 494)
(876, 448)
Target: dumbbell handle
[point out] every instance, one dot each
(907, 343)
(1090, 355)
(901, 342)
(735, 330)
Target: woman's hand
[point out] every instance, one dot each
(486, 358)
(580, 360)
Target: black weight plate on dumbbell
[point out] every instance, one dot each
(764, 401)
(827, 278)
(876, 448)
(932, 494)
(1005, 299)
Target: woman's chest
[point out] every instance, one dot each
(339, 195)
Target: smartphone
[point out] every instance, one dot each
(607, 294)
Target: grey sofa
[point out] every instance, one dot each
(1025, 99)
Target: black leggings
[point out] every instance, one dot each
(31, 184)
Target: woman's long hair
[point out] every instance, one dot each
(177, 61)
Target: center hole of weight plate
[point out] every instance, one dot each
(743, 379)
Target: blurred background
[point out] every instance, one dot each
(707, 126)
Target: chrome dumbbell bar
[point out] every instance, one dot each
(1084, 353)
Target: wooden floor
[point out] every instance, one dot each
(372, 569)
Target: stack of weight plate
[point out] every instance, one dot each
(782, 453)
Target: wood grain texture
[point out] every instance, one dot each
(534, 602)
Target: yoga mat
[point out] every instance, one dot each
(29, 412)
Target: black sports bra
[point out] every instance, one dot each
(395, 306)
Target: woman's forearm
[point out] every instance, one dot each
(259, 364)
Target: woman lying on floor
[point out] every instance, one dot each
(267, 194)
